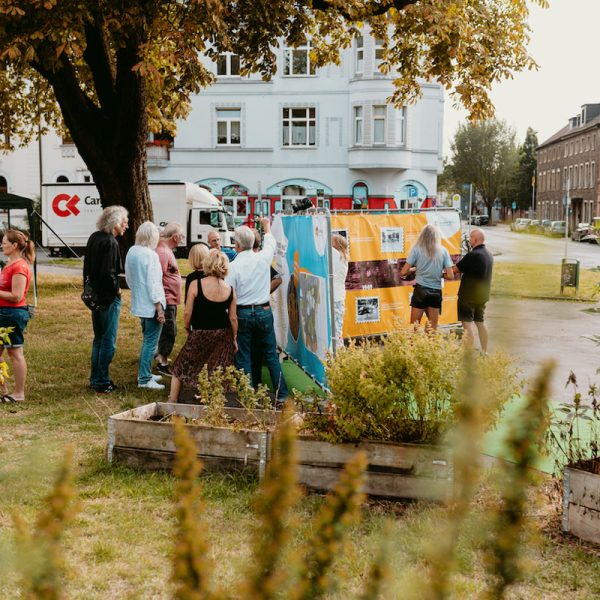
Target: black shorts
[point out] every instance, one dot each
(426, 297)
(469, 312)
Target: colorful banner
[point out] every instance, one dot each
(377, 299)
(301, 304)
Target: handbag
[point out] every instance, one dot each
(89, 296)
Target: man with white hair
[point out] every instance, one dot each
(250, 277)
(474, 292)
(170, 237)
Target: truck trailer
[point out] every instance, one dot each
(70, 212)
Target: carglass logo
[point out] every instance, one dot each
(64, 205)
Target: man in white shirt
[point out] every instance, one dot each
(250, 277)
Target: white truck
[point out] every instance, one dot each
(70, 212)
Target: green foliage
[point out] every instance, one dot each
(41, 552)
(405, 389)
(526, 170)
(523, 441)
(340, 510)
(485, 154)
(574, 433)
(191, 565)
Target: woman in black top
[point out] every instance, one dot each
(211, 322)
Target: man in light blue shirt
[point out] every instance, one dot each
(250, 277)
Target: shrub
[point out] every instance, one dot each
(405, 389)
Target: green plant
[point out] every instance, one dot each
(574, 433)
(405, 389)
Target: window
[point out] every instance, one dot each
(360, 54)
(593, 174)
(358, 125)
(228, 126)
(379, 124)
(3, 185)
(296, 61)
(565, 178)
(228, 65)
(62, 179)
(299, 126)
(378, 53)
(360, 195)
(586, 177)
(400, 126)
(207, 217)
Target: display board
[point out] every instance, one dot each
(377, 299)
(302, 302)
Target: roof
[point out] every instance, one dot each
(8, 201)
(566, 130)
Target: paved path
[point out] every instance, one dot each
(533, 330)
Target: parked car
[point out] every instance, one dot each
(557, 229)
(546, 225)
(582, 230)
(480, 219)
(535, 226)
(520, 225)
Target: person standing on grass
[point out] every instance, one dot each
(198, 252)
(214, 241)
(144, 278)
(250, 278)
(476, 267)
(101, 267)
(431, 263)
(170, 237)
(211, 322)
(14, 285)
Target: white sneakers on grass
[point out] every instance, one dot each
(153, 384)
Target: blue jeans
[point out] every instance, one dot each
(151, 329)
(105, 323)
(256, 324)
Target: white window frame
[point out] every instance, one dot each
(401, 126)
(288, 60)
(290, 119)
(360, 55)
(378, 46)
(228, 122)
(377, 118)
(359, 140)
(228, 59)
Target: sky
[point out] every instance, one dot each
(565, 42)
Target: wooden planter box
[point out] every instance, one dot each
(581, 504)
(411, 471)
(149, 444)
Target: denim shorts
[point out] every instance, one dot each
(16, 318)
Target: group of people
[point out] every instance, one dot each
(431, 264)
(227, 315)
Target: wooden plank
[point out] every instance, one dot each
(157, 460)
(584, 489)
(382, 485)
(429, 461)
(584, 523)
(143, 413)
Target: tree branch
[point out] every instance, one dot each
(372, 9)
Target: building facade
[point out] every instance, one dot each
(568, 163)
(327, 134)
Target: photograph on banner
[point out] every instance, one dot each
(301, 304)
(377, 298)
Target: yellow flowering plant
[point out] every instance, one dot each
(4, 339)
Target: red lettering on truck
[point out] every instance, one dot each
(64, 205)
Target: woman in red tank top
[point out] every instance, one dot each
(14, 284)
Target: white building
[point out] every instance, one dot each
(327, 134)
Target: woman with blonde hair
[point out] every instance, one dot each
(198, 252)
(431, 262)
(340, 272)
(210, 318)
(14, 285)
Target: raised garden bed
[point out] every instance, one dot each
(581, 502)
(143, 438)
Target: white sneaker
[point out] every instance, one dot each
(156, 378)
(151, 385)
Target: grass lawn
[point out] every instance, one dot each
(121, 543)
(534, 281)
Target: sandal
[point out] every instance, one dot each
(8, 399)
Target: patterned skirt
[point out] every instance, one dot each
(210, 347)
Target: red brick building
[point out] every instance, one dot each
(570, 158)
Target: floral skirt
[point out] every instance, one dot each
(210, 347)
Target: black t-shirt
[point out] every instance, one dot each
(476, 268)
(208, 314)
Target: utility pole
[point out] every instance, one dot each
(567, 206)
(533, 207)
(470, 207)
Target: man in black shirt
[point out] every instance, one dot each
(474, 292)
(101, 267)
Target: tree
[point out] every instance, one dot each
(526, 170)
(485, 155)
(112, 71)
